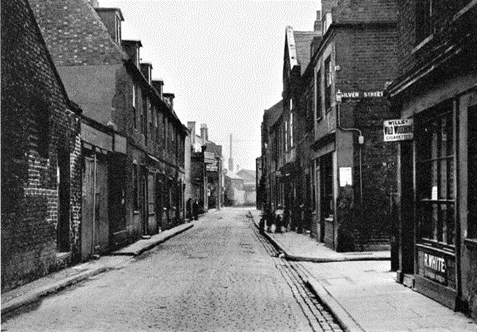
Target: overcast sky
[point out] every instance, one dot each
(223, 60)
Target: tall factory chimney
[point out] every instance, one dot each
(231, 160)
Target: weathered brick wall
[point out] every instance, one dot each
(367, 59)
(29, 172)
(365, 11)
(407, 33)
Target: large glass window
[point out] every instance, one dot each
(472, 171)
(435, 174)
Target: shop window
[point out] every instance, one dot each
(472, 171)
(435, 174)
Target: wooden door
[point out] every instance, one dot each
(101, 231)
(87, 209)
(151, 205)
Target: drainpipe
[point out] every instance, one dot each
(360, 142)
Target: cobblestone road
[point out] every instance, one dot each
(219, 276)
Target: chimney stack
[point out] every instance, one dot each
(94, 3)
(317, 26)
(204, 133)
(191, 126)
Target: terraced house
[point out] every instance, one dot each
(132, 140)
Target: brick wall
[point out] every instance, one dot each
(367, 59)
(36, 124)
(365, 11)
(407, 32)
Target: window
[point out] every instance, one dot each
(164, 133)
(152, 122)
(159, 137)
(291, 129)
(432, 15)
(286, 135)
(472, 170)
(435, 177)
(144, 111)
(135, 96)
(328, 81)
(319, 111)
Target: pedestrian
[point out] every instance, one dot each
(195, 209)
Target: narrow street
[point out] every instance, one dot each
(220, 275)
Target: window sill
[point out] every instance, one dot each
(471, 243)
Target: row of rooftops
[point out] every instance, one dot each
(112, 18)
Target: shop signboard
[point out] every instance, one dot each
(398, 130)
(437, 267)
(209, 157)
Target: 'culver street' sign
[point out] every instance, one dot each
(398, 130)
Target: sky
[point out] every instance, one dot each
(222, 59)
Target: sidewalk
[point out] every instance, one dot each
(360, 290)
(33, 291)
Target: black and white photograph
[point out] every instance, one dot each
(239, 165)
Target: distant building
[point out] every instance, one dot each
(234, 190)
(249, 185)
(207, 178)
(41, 155)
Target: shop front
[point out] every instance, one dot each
(436, 196)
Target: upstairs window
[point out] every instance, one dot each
(328, 82)
(291, 129)
(319, 111)
(432, 15)
(135, 98)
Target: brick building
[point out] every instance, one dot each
(353, 171)
(133, 141)
(323, 157)
(41, 155)
(436, 88)
(269, 156)
(207, 178)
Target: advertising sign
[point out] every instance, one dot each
(398, 130)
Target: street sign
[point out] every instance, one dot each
(358, 95)
(398, 130)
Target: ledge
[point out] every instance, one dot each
(471, 243)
